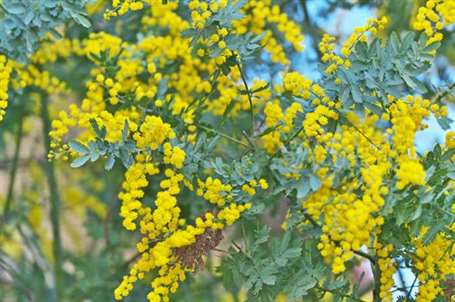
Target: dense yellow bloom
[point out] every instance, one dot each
(273, 113)
(387, 270)
(450, 139)
(5, 71)
(410, 172)
(350, 214)
(433, 17)
(272, 141)
(435, 262)
(297, 84)
(153, 132)
(135, 180)
(407, 118)
(214, 191)
(173, 155)
(316, 120)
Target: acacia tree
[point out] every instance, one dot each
(235, 172)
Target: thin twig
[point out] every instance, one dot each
(224, 135)
(408, 295)
(439, 96)
(364, 135)
(248, 93)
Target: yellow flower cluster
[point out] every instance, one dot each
(282, 122)
(298, 85)
(272, 141)
(263, 17)
(162, 13)
(433, 17)
(435, 262)
(201, 11)
(163, 239)
(410, 172)
(121, 7)
(249, 187)
(5, 72)
(135, 181)
(373, 26)
(100, 89)
(273, 113)
(232, 213)
(349, 219)
(387, 269)
(173, 155)
(327, 49)
(153, 132)
(407, 118)
(316, 120)
(214, 191)
(185, 84)
(450, 139)
(350, 209)
(290, 116)
(259, 17)
(327, 44)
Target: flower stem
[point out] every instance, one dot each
(54, 200)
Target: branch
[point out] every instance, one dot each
(54, 200)
(12, 177)
(312, 29)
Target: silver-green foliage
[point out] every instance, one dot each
(24, 22)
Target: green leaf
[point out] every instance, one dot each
(315, 183)
(431, 234)
(78, 147)
(125, 131)
(82, 20)
(79, 162)
(15, 9)
(100, 132)
(109, 163)
(262, 235)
